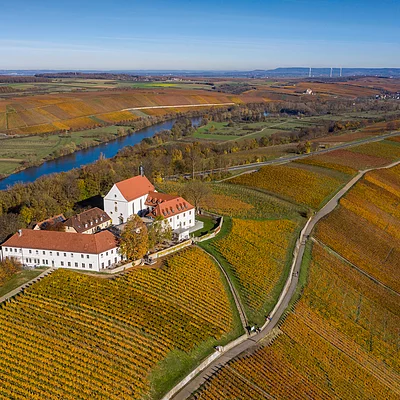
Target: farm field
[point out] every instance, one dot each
(372, 129)
(340, 339)
(258, 254)
(222, 130)
(351, 160)
(365, 229)
(154, 325)
(236, 131)
(21, 151)
(44, 113)
(363, 86)
(302, 184)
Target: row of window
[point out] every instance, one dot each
(184, 222)
(6, 249)
(83, 265)
(109, 262)
(62, 263)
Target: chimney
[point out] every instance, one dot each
(141, 170)
(19, 232)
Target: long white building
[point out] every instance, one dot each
(35, 248)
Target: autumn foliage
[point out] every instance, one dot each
(292, 182)
(257, 252)
(341, 339)
(134, 241)
(8, 267)
(76, 336)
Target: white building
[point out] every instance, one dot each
(138, 196)
(127, 198)
(36, 248)
(177, 211)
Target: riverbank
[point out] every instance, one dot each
(28, 151)
(92, 144)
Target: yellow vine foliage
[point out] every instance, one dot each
(223, 204)
(340, 342)
(74, 336)
(297, 184)
(257, 252)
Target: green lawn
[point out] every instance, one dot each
(19, 279)
(238, 130)
(209, 225)
(33, 149)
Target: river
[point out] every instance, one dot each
(87, 156)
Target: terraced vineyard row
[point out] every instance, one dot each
(258, 255)
(340, 342)
(46, 113)
(341, 339)
(74, 336)
(365, 229)
(295, 182)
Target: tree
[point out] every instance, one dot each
(9, 224)
(196, 192)
(134, 241)
(159, 231)
(8, 267)
(193, 154)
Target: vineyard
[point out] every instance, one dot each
(240, 201)
(244, 202)
(44, 113)
(346, 161)
(75, 336)
(388, 150)
(293, 182)
(340, 340)
(365, 229)
(257, 255)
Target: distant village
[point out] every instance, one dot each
(89, 240)
(388, 95)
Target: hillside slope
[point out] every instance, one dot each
(340, 341)
(76, 336)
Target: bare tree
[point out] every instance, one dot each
(197, 193)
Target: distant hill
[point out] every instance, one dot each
(292, 72)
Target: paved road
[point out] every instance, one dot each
(179, 106)
(283, 301)
(282, 160)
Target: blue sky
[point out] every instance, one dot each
(162, 34)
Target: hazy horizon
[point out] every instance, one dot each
(207, 35)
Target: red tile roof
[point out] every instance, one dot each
(155, 198)
(50, 221)
(172, 207)
(135, 187)
(63, 241)
(92, 218)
